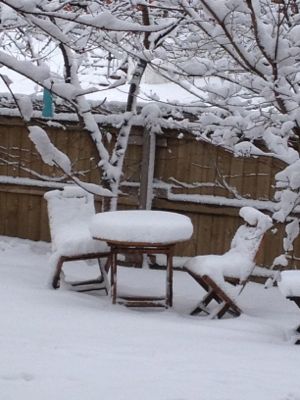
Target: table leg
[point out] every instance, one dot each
(169, 289)
(113, 279)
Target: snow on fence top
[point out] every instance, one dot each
(105, 112)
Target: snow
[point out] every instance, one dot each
(287, 202)
(70, 213)
(26, 68)
(280, 146)
(49, 153)
(166, 92)
(220, 200)
(256, 218)
(289, 177)
(139, 226)
(31, 182)
(106, 20)
(289, 283)
(292, 232)
(232, 264)
(25, 105)
(62, 344)
(151, 114)
(239, 260)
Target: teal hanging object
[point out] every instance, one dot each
(47, 104)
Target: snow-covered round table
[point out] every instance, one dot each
(142, 232)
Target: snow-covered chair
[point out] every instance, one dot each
(223, 277)
(70, 211)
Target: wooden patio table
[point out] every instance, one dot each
(141, 232)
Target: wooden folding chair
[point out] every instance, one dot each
(70, 211)
(218, 274)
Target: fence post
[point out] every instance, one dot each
(147, 170)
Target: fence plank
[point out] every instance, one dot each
(264, 178)
(3, 151)
(235, 177)
(3, 213)
(249, 179)
(23, 221)
(34, 215)
(196, 167)
(222, 165)
(11, 223)
(44, 222)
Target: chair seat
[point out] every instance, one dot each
(76, 239)
(231, 264)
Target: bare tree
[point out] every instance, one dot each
(76, 28)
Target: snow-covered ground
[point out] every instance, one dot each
(67, 345)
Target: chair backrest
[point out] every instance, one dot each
(248, 237)
(68, 209)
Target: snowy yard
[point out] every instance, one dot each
(67, 345)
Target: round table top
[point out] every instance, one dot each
(141, 226)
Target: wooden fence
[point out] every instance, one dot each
(205, 182)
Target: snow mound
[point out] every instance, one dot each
(139, 226)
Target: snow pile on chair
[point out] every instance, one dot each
(70, 213)
(239, 261)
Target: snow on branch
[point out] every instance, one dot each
(49, 153)
(54, 157)
(103, 20)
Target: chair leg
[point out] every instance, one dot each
(214, 292)
(82, 285)
(107, 264)
(229, 304)
(104, 277)
(56, 276)
(226, 308)
(199, 309)
(202, 305)
(211, 295)
(100, 283)
(297, 335)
